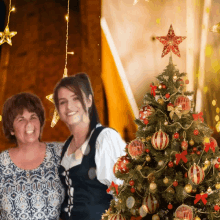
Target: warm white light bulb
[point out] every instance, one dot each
(13, 8)
(67, 17)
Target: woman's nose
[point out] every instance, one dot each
(29, 125)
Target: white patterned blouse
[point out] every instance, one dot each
(31, 194)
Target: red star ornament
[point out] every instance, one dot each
(170, 42)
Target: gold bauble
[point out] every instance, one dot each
(175, 77)
(160, 86)
(160, 101)
(148, 138)
(207, 162)
(197, 218)
(161, 163)
(166, 123)
(217, 185)
(153, 186)
(170, 190)
(191, 142)
(194, 190)
(155, 217)
(148, 159)
(209, 190)
(188, 188)
(120, 201)
(165, 180)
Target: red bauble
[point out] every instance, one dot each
(170, 164)
(187, 81)
(216, 207)
(216, 165)
(170, 206)
(147, 151)
(196, 174)
(211, 139)
(136, 149)
(176, 135)
(175, 183)
(145, 112)
(195, 149)
(116, 217)
(150, 204)
(195, 132)
(160, 140)
(198, 152)
(184, 145)
(131, 182)
(133, 190)
(164, 86)
(167, 95)
(218, 159)
(184, 102)
(121, 165)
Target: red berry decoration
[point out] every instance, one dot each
(164, 86)
(136, 149)
(216, 207)
(170, 164)
(198, 152)
(175, 183)
(145, 112)
(131, 182)
(167, 95)
(187, 81)
(133, 190)
(216, 165)
(176, 135)
(195, 149)
(147, 151)
(218, 160)
(170, 206)
(180, 82)
(195, 132)
(186, 175)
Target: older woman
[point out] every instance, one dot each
(89, 154)
(30, 187)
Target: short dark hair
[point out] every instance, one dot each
(78, 83)
(15, 105)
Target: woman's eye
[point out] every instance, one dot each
(75, 98)
(61, 103)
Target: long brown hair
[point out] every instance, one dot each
(79, 83)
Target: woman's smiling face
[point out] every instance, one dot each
(71, 110)
(26, 127)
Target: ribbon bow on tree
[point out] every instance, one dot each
(209, 145)
(113, 185)
(181, 156)
(153, 89)
(202, 197)
(176, 110)
(198, 116)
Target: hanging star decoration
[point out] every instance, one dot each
(6, 36)
(170, 42)
(215, 28)
(136, 1)
(56, 116)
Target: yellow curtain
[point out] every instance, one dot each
(121, 116)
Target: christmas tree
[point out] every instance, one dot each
(171, 169)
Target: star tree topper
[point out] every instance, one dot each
(170, 42)
(6, 36)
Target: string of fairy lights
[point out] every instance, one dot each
(5, 37)
(56, 117)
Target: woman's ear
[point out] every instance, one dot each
(90, 101)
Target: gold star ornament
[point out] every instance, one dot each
(5, 37)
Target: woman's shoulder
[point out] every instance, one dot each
(4, 158)
(56, 147)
